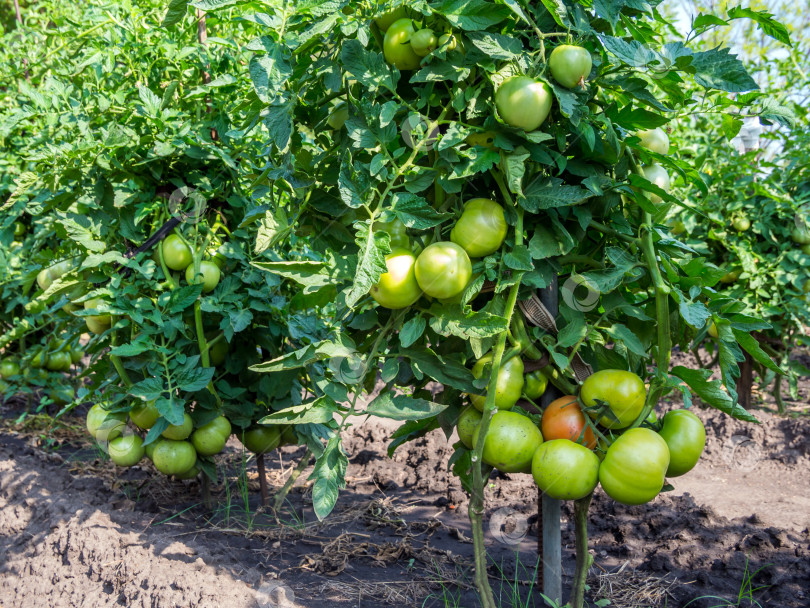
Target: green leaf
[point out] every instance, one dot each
(133, 349)
(412, 330)
(519, 259)
(309, 274)
(353, 185)
(278, 121)
(370, 264)
(719, 69)
(631, 52)
(307, 355)
(320, 411)
(368, 68)
(550, 193)
(269, 73)
(212, 5)
(329, 476)
(450, 319)
(271, 226)
(550, 241)
(621, 333)
(752, 347)
(764, 20)
(496, 46)
(148, 389)
(175, 13)
(192, 377)
(557, 10)
(402, 407)
(471, 15)
(415, 212)
(442, 369)
(711, 392)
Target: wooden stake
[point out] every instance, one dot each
(548, 509)
(262, 479)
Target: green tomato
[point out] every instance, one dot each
(449, 40)
(397, 288)
(385, 20)
(799, 234)
(104, 425)
(59, 361)
(19, 229)
(150, 448)
(623, 391)
(481, 229)
(741, 223)
(179, 431)
(468, 421)
(43, 280)
(397, 45)
(126, 451)
(58, 270)
(176, 254)
(209, 275)
(174, 457)
(95, 326)
(222, 424)
(190, 474)
(713, 331)
(144, 415)
(686, 437)
(635, 466)
(424, 42)
(805, 249)
(288, 436)
(8, 368)
(208, 440)
(523, 102)
(570, 65)
(565, 470)
(61, 395)
(337, 118)
(39, 359)
(678, 227)
(731, 276)
(261, 439)
(443, 269)
(655, 140)
(535, 385)
(509, 386)
(76, 354)
(397, 231)
(216, 354)
(511, 441)
(95, 303)
(657, 175)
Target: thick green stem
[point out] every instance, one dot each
(118, 364)
(205, 356)
(584, 558)
(662, 290)
(777, 394)
(475, 509)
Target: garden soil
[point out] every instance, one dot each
(74, 531)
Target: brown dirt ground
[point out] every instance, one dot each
(75, 531)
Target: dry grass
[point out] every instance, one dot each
(628, 588)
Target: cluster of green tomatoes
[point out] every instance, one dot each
(584, 441)
(176, 451)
